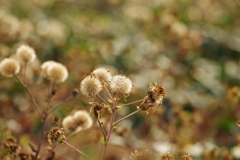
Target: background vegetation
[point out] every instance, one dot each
(190, 47)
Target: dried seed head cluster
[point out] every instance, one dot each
(90, 86)
(56, 134)
(11, 146)
(26, 54)
(97, 110)
(103, 75)
(8, 67)
(121, 85)
(79, 121)
(167, 156)
(137, 156)
(186, 157)
(54, 71)
(155, 96)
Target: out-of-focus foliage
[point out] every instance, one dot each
(190, 47)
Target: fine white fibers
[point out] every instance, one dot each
(44, 67)
(103, 75)
(121, 85)
(54, 71)
(8, 67)
(82, 119)
(26, 54)
(69, 124)
(90, 86)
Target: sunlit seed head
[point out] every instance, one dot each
(26, 54)
(103, 75)
(121, 85)
(57, 72)
(8, 67)
(167, 156)
(156, 93)
(45, 66)
(90, 86)
(82, 119)
(69, 124)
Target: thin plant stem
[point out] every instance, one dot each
(60, 103)
(114, 109)
(126, 116)
(140, 100)
(30, 95)
(103, 100)
(45, 119)
(109, 94)
(76, 149)
(41, 138)
(104, 134)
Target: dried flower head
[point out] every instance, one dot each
(11, 147)
(26, 54)
(137, 156)
(45, 66)
(186, 157)
(121, 85)
(69, 124)
(103, 75)
(97, 110)
(155, 96)
(56, 134)
(57, 72)
(90, 86)
(8, 67)
(24, 156)
(167, 156)
(82, 119)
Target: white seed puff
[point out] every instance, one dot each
(45, 66)
(90, 86)
(121, 85)
(26, 54)
(57, 72)
(82, 119)
(8, 67)
(69, 124)
(103, 75)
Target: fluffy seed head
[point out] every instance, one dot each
(8, 67)
(90, 86)
(57, 72)
(167, 156)
(45, 66)
(69, 124)
(26, 54)
(82, 119)
(103, 75)
(121, 85)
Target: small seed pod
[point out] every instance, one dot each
(56, 134)
(97, 110)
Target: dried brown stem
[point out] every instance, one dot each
(76, 149)
(126, 116)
